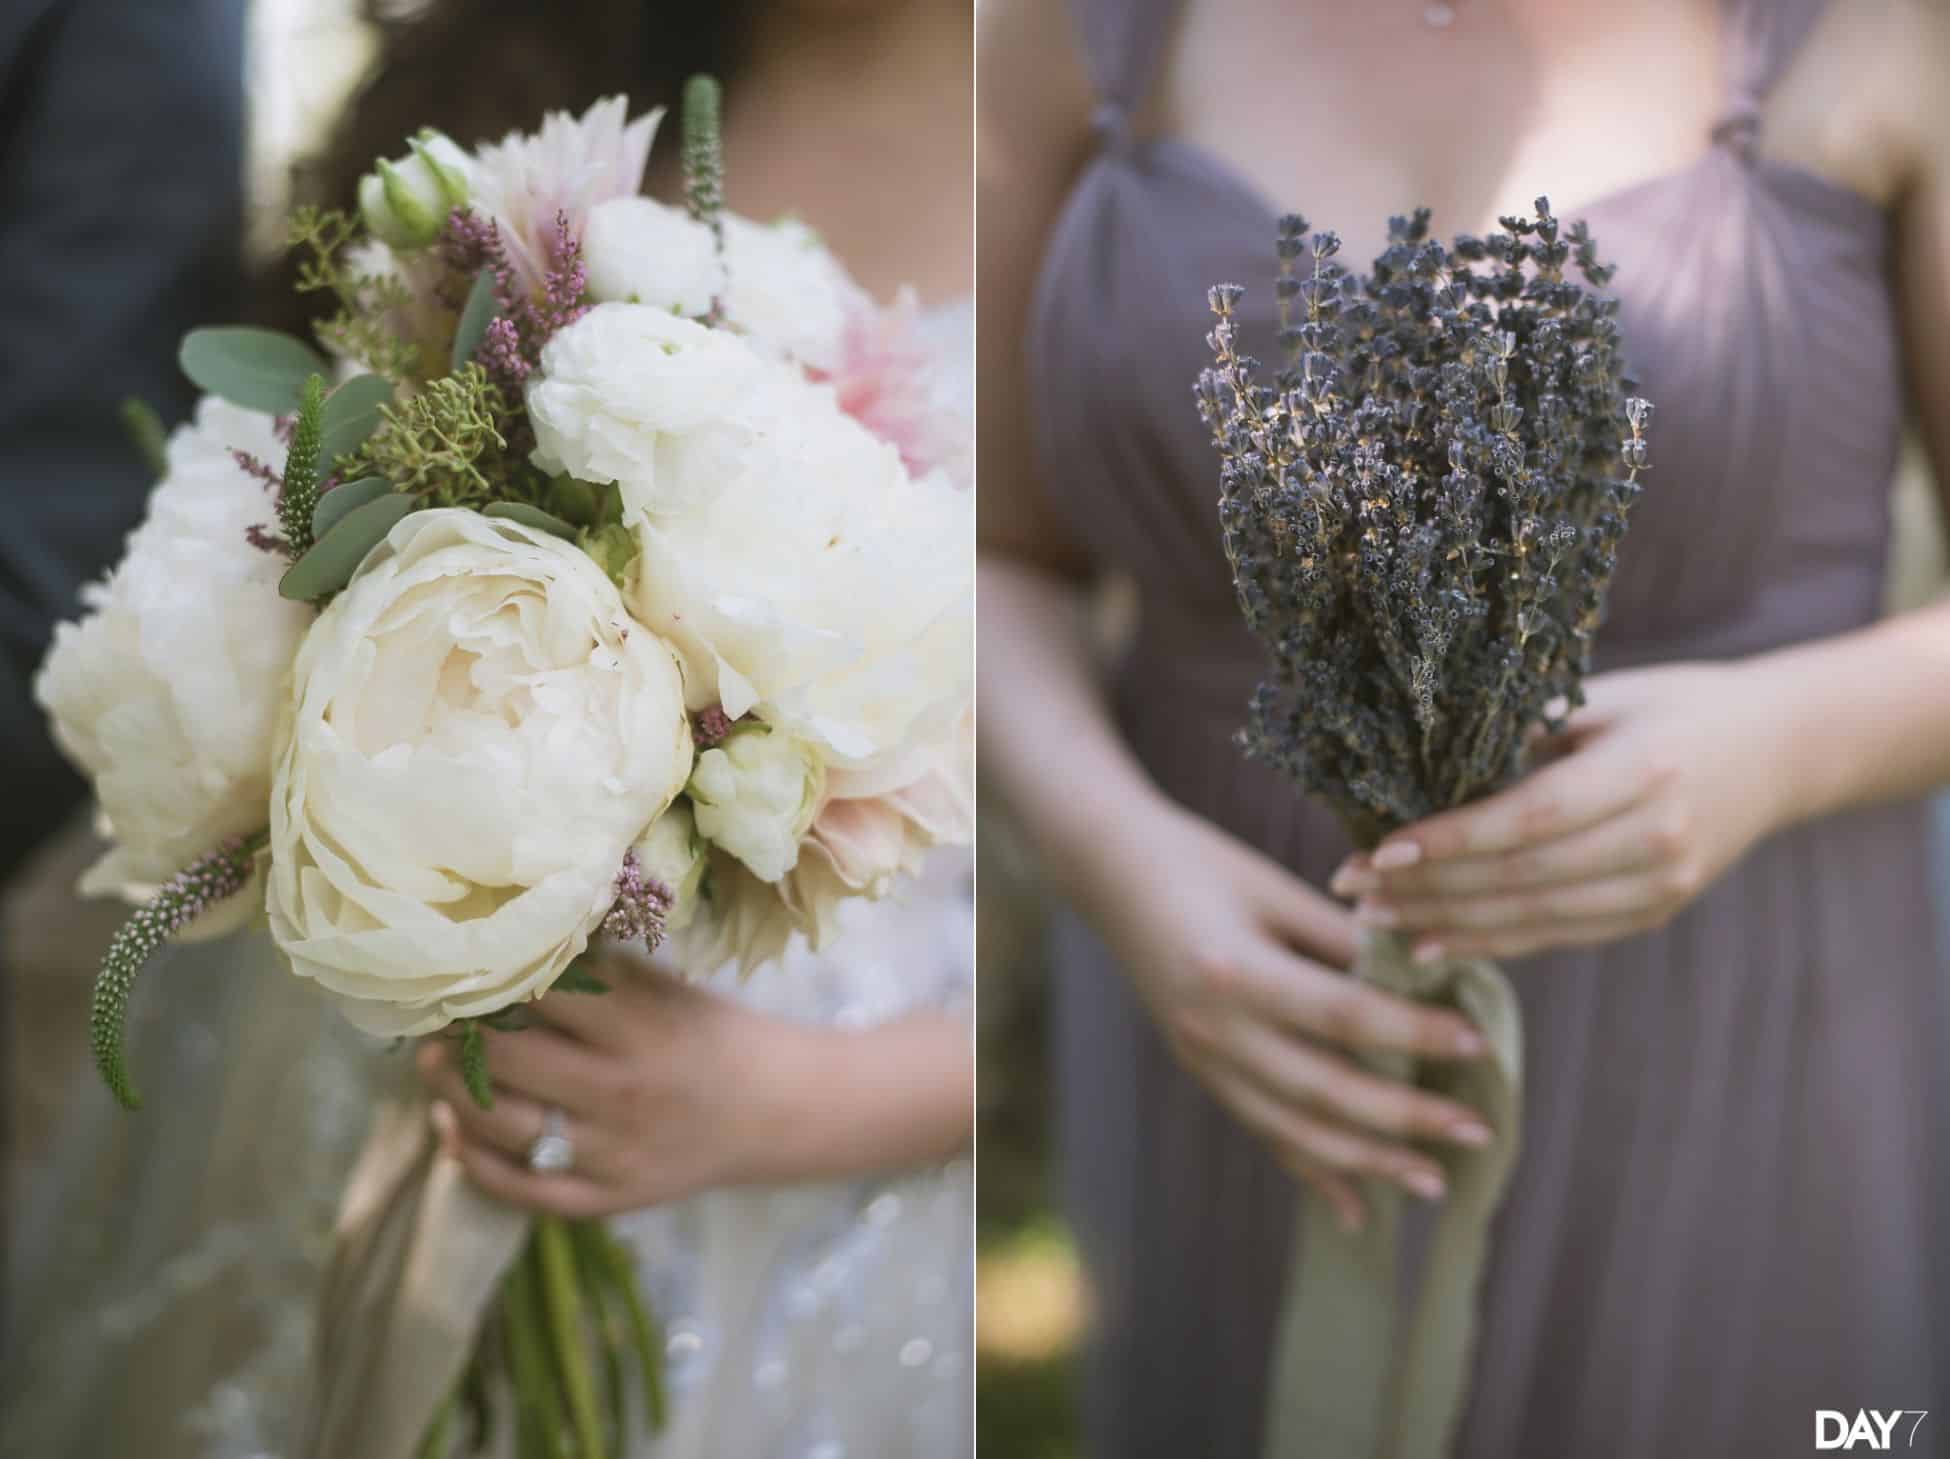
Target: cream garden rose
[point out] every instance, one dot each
(167, 692)
(477, 732)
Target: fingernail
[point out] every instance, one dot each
(1425, 1183)
(1429, 952)
(1395, 855)
(1352, 879)
(440, 1115)
(1370, 913)
(1472, 1132)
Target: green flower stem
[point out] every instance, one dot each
(538, 1407)
(648, 1338)
(434, 1445)
(611, 1328)
(563, 1299)
(474, 1064)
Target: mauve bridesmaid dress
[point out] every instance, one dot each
(1723, 1219)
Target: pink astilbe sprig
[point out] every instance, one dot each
(642, 906)
(527, 316)
(709, 727)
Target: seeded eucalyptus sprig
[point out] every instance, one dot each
(197, 887)
(1422, 510)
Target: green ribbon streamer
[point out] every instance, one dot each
(1351, 1379)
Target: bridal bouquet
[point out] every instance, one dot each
(1422, 512)
(603, 578)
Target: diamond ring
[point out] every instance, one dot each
(552, 1153)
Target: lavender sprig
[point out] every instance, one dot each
(1422, 509)
(181, 900)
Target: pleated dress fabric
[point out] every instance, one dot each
(1735, 1126)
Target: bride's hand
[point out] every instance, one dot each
(1238, 962)
(1657, 785)
(665, 1089)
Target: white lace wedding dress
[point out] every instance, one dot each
(161, 1265)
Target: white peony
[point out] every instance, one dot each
(786, 552)
(755, 795)
(166, 693)
(779, 285)
(476, 735)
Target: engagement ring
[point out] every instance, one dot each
(551, 1153)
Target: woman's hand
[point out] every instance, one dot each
(1656, 786)
(666, 1089)
(1239, 963)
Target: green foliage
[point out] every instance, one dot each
(259, 369)
(329, 564)
(299, 497)
(335, 505)
(364, 326)
(576, 978)
(474, 1064)
(447, 444)
(703, 155)
(352, 414)
(146, 433)
(475, 317)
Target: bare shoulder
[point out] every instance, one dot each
(1033, 92)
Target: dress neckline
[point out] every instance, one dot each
(1791, 178)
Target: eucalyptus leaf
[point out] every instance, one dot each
(352, 414)
(336, 556)
(340, 500)
(259, 369)
(529, 516)
(475, 317)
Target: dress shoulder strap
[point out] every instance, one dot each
(1760, 39)
(1123, 45)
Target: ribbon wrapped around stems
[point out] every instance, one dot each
(1354, 1377)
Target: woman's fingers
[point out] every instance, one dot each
(1638, 839)
(1563, 797)
(552, 1068)
(510, 1125)
(1636, 893)
(1272, 981)
(1350, 1211)
(509, 1179)
(1292, 1069)
(1320, 1141)
(1513, 942)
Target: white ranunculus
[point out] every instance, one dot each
(476, 734)
(166, 693)
(405, 203)
(640, 251)
(673, 854)
(755, 795)
(633, 394)
(778, 283)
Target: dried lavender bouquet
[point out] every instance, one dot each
(1422, 512)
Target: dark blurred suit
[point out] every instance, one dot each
(121, 215)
